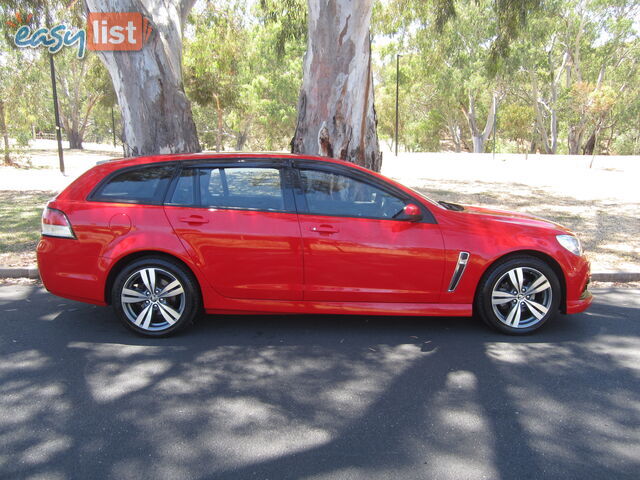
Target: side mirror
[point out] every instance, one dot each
(412, 212)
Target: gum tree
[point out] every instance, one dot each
(336, 114)
(156, 114)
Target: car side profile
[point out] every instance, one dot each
(166, 238)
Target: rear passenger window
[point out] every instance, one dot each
(144, 185)
(232, 187)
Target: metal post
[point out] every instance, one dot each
(397, 96)
(56, 112)
(113, 126)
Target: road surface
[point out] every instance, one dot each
(317, 397)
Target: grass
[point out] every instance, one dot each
(20, 214)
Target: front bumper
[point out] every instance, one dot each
(580, 305)
(578, 296)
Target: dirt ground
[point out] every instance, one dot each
(599, 203)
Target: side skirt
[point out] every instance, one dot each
(244, 307)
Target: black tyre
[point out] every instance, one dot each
(519, 295)
(156, 297)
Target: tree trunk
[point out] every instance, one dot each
(5, 134)
(336, 115)
(480, 138)
(539, 119)
(590, 146)
(156, 114)
(575, 139)
(75, 139)
(454, 130)
(241, 138)
(220, 124)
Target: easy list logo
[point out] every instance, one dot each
(106, 32)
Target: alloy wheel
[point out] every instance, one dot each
(153, 299)
(521, 297)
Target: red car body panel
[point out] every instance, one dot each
(271, 262)
(353, 261)
(244, 254)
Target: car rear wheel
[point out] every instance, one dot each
(519, 295)
(155, 297)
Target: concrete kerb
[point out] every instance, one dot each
(617, 277)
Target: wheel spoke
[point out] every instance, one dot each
(499, 298)
(540, 285)
(144, 316)
(147, 319)
(538, 310)
(148, 276)
(516, 277)
(169, 314)
(171, 290)
(131, 296)
(514, 316)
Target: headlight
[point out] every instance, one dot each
(571, 243)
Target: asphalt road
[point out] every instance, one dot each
(317, 397)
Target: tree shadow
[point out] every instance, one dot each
(315, 396)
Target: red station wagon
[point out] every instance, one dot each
(165, 238)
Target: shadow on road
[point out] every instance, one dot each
(316, 397)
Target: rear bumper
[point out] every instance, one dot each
(67, 273)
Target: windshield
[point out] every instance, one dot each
(431, 201)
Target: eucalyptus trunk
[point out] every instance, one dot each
(336, 114)
(479, 137)
(156, 114)
(5, 134)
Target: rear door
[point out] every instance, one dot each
(238, 222)
(357, 247)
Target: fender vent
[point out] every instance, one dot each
(463, 258)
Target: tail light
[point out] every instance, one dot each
(56, 224)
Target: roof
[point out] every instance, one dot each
(132, 161)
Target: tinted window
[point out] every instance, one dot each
(144, 185)
(185, 191)
(332, 194)
(250, 188)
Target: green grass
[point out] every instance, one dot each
(20, 214)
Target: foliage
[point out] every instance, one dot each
(564, 73)
(566, 85)
(243, 71)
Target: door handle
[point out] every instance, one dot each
(324, 229)
(194, 219)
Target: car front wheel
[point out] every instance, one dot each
(155, 297)
(519, 295)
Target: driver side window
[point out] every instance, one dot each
(338, 195)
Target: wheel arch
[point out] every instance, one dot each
(548, 259)
(122, 263)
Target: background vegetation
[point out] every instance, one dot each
(566, 83)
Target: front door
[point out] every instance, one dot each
(357, 249)
(240, 227)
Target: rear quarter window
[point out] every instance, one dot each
(146, 185)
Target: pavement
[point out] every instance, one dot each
(284, 397)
